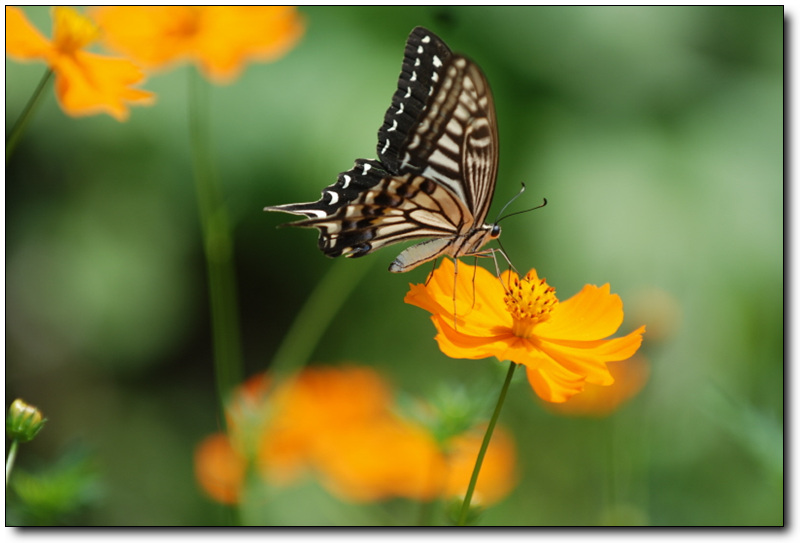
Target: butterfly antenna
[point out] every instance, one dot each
(544, 203)
(517, 195)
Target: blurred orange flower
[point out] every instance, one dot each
(220, 39)
(86, 83)
(318, 405)
(340, 425)
(220, 468)
(497, 476)
(379, 459)
(630, 376)
(560, 343)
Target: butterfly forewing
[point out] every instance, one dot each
(422, 72)
(436, 172)
(480, 143)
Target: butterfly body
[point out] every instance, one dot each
(436, 171)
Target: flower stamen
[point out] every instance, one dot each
(71, 30)
(530, 301)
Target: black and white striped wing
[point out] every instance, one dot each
(395, 209)
(442, 124)
(436, 171)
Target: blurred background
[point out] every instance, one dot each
(656, 135)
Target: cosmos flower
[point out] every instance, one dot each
(86, 83)
(630, 376)
(219, 39)
(341, 425)
(219, 468)
(561, 344)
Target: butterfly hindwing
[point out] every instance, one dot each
(364, 175)
(396, 209)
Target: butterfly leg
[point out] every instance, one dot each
(493, 254)
(430, 275)
(502, 251)
(455, 285)
(474, 276)
(490, 253)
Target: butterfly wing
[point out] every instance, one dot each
(437, 163)
(395, 209)
(442, 123)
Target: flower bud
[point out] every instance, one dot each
(23, 421)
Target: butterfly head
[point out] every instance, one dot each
(474, 242)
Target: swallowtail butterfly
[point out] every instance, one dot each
(436, 168)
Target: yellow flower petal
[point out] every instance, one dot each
(23, 41)
(340, 425)
(599, 401)
(593, 313)
(385, 458)
(71, 30)
(478, 299)
(239, 34)
(457, 344)
(219, 469)
(553, 383)
(497, 476)
(590, 357)
(87, 84)
(219, 39)
(151, 36)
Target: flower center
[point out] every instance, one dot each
(530, 302)
(71, 30)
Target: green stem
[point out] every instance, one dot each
(316, 314)
(17, 129)
(12, 455)
(485, 445)
(218, 247)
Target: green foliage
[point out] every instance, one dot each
(55, 495)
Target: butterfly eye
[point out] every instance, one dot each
(495, 232)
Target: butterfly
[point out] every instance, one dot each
(435, 173)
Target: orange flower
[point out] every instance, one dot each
(220, 39)
(308, 412)
(598, 401)
(340, 425)
(560, 343)
(497, 476)
(86, 83)
(220, 468)
(380, 459)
